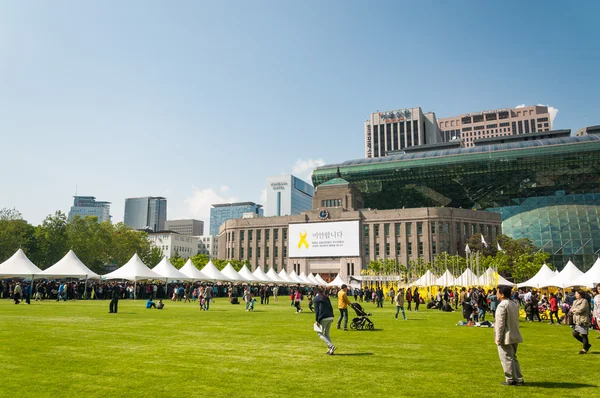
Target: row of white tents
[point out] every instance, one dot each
(466, 279)
(570, 276)
(19, 266)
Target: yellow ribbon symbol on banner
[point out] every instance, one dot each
(303, 240)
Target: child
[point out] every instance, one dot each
(203, 304)
(160, 305)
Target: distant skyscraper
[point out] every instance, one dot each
(227, 211)
(288, 195)
(189, 227)
(147, 212)
(88, 206)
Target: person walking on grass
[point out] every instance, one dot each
(114, 302)
(409, 298)
(508, 336)
(323, 318)
(343, 303)
(399, 300)
(554, 309)
(596, 314)
(581, 319)
(417, 299)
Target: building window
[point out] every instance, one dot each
(276, 233)
(366, 230)
(447, 227)
(408, 228)
(386, 229)
(241, 253)
(387, 249)
(258, 234)
(434, 247)
(267, 252)
(258, 252)
(276, 252)
(520, 127)
(420, 248)
(376, 249)
(249, 252)
(409, 248)
(228, 252)
(284, 251)
(284, 235)
(398, 248)
(233, 252)
(267, 234)
(242, 236)
(233, 236)
(397, 228)
(433, 228)
(250, 235)
(419, 228)
(376, 229)
(367, 250)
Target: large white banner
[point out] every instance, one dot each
(324, 239)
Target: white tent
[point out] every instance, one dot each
(591, 277)
(69, 267)
(314, 280)
(337, 282)
(247, 275)
(567, 277)
(232, 274)
(18, 266)
(542, 276)
(283, 275)
(165, 269)
(274, 277)
(261, 276)
(320, 280)
(502, 281)
(304, 278)
(133, 270)
(447, 279)
(468, 278)
(428, 279)
(295, 278)
(213, 273)
(190, 270)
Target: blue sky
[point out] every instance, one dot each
(202, 101)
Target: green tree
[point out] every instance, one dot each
(52, 241)
(15, 233)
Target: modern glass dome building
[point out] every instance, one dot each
(547, 190)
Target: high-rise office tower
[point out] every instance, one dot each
(88, 206)
(288, 195)
(146, 213)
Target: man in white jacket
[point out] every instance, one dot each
(508, 336)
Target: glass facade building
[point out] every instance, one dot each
(146, 213)
(546, 190)
(220, 213)
(288, 195)
(88, 206)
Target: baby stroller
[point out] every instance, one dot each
(361, 321)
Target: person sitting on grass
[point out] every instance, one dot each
(150, 303)
(160, 305)
(467, 310)
(432, 303)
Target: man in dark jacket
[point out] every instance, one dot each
(323, 318)
(114, 302)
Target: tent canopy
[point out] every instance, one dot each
(468, 278)
(447, 279)
(232, 274)
(190, 270)
(133, 270)
(337, 282)
(261, 276)
(428, 279)
(169, 272)
(247, 275)
(69, 267)
(283, 275)
(566, 278)
(295, 278)
(591, 277)
(211, 271)
(18, 266)
(543, 275)
(304, 278)
(276, 278)
(320, 280)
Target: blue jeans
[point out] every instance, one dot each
(398, 309)
(481, 314)
(344, 316)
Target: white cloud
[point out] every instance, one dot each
(224, 188)
(520, 106)
(303, 168)
(199, 204)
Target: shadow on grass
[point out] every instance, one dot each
(356, 354)
(368, 330)
(555, 384)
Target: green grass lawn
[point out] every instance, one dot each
(78, 349)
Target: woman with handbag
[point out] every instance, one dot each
(581, 319)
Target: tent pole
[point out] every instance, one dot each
(134, 289)
(85, 287)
